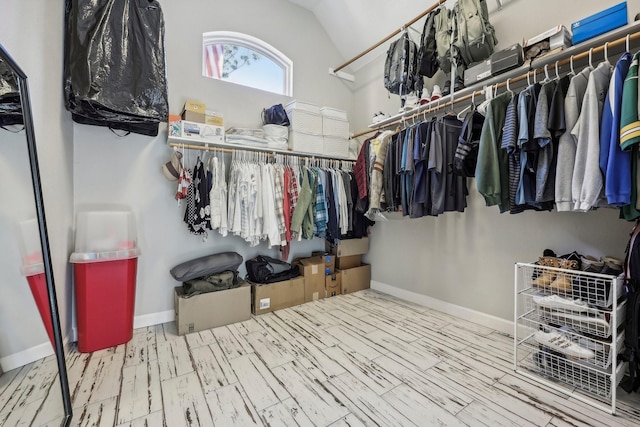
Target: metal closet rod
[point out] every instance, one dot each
(558, 64)
(248, 148)
(390, 36)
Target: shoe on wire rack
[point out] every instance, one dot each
(557, 302)
(561, 343)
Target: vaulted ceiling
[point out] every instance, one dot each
(355, 25)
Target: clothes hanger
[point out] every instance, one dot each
(469, 107)
(606, 54)
(627, 44)
(590, 57)
(556, 67)
(509, 88)
(573, 73)
(546, 74)
(528, 80)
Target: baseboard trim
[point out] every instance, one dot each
(24, 357)
(37, 352)
(152, 319)
(488, 320)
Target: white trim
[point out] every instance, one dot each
(493, 322)
(24, 357)
(152, 319)
(255, 44)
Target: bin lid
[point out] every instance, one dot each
(86, 257)
(31, 269)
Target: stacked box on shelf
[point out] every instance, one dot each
(305, 131)
(335, 130)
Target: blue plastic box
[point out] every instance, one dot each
(600, 23)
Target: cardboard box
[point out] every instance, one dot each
(329, 261)
(333, 284)
(198, 132)
(558, 37)
(349, 247)
(213, 118)
(312, 269)
(356, 279)
(346, 262)
(600, 23)
(211, 310)
(193, 111)
(278, 295)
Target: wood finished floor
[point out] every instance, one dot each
(363, 359)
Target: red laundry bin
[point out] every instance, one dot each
(105, 264)
(105, 303)
(38, 285)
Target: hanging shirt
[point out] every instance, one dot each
(492, 169)
(630, 133)
(567, 144)
(615, 164)
(587, 184)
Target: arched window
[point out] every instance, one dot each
(246, 60)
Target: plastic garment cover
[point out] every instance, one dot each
(114, 68)
(10, 106)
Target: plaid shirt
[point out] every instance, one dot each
(320, 223)
(278, 188)
(293, 190)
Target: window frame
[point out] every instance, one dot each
(255, 44)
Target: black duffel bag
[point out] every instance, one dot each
(264, 269)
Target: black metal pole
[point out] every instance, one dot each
(42, 226)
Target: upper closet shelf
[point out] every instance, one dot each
(535, 66)
(192, 144)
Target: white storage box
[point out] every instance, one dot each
(335, 127)
(333, 113)
(105, 236)
(305, 122)
(303, 106)
(336, 147)
(30, 248)
(306, 142)
(197, 131)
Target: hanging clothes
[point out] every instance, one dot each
(615, 164)
(197, 214)
(630, 135)
(587, 184)
(492, 169)
(568, 142)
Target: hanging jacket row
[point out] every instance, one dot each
(559, 143)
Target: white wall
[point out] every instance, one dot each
(467, 259)
(126, 171)
(37, 48)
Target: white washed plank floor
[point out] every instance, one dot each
(363, 359)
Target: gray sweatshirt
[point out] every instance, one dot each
(568, 143)
(587, 186)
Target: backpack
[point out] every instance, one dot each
(400, 67)
(428, 53)
(466, 157)
(443, 36)
(215, 282)
(475, 37)
(631, 353)
(264, 269)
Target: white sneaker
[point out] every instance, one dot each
(412, 101)
(561, 343)
(437, 93)
(425, 98)
(593, 325)
(555, 301)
